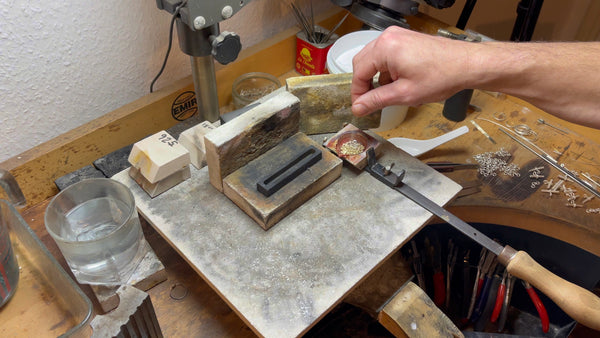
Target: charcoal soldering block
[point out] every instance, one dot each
(78, 175)
(114, 162)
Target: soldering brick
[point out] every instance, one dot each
(325, 104)
(193, 140)
(236, 143)
(155, 189)
(158, 156)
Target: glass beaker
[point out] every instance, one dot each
(96, 227)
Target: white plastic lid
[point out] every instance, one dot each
(340, 55)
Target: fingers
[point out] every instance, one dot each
(365, 105)
(377, 98)
(414, 68)
(372, 59)
(364, 68)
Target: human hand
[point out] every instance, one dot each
(414, 68)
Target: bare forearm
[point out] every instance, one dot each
(415, 68)
(560, 78)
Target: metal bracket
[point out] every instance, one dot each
(383, 174)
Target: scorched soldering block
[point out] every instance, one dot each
(241, 140)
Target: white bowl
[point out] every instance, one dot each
(339, 57)
(339, 60)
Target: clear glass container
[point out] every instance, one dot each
(95, 224)
(250, 87)
(9, 268)
(47, 302)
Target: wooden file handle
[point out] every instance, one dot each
(579, 303)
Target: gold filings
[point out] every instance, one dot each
(352, 147)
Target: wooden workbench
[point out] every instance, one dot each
(202, 312)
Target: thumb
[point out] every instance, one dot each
(373, 100)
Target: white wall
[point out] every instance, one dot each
(63, 64)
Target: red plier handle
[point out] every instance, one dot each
(499, 302)
(439, 288)
(499, 298)
(538, 305)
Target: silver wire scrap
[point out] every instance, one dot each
(492, 163)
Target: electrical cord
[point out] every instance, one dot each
(164, 64)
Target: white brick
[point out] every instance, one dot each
(193, 140)
(158, 156)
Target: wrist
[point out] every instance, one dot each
(499, 66)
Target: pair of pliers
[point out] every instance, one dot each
(505, 291)
(450, 263)
(489, 267)
(435, 259)
(503, 302)
(539, 306)
(500, 298)
(478, 282)
(418, 265)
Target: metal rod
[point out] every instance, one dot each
(555, 164)
(328, 36)
(456, 222)
(542, 121)
(394, 181)
(528, 12)
(483, 131)
(465, 14)
(205, 85)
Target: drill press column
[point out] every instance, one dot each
(197, 45)
(199, 37)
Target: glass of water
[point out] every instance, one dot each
(95, 224)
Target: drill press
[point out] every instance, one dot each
(380, 14)
(200, 38)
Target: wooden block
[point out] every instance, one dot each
(134, 317)
(411, 313)
(240, 186)
(381, 284)
(155, 189)
(193, 140)
(149, 273)
(158, 156)
(325, 103)
(234, 144)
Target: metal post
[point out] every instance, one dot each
(465, 14)
(205, 86)
(528, 12)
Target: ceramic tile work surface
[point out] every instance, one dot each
(281, 281)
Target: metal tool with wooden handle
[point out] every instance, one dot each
(579, 303)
